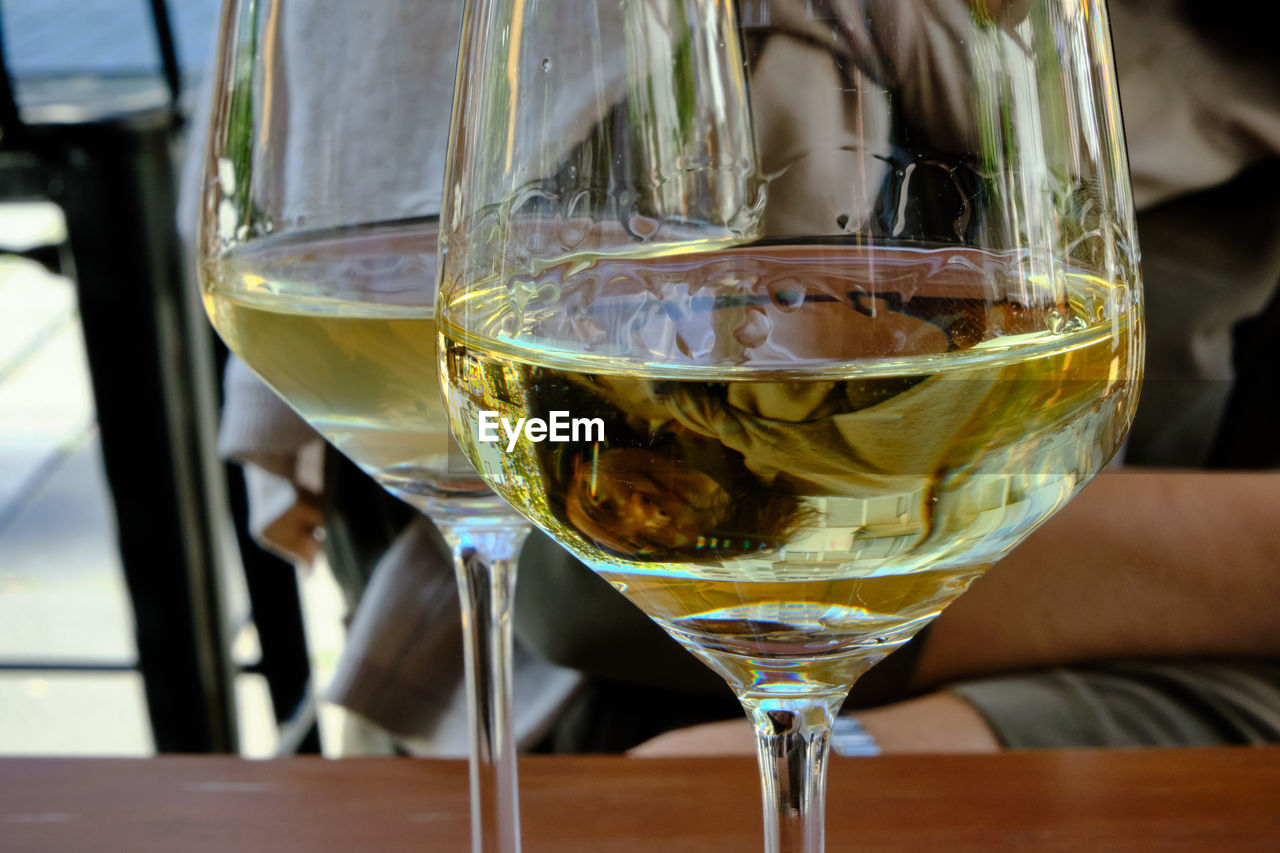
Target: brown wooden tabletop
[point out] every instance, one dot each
(1202, 799)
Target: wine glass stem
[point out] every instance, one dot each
(791, 742)
(485, 560)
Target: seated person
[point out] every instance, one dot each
(1166, 570)
(1154, 566)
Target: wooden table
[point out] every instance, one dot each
(1207, 799)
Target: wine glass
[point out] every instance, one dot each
(317, 256)
(801, 314)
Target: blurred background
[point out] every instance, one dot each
(95, 99)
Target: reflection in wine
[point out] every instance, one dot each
(778, 521)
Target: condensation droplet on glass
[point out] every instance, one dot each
(788, 294)
(754, 329)
(572, 232)
(546, 65)
(643, 227)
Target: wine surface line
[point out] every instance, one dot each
(342, 327)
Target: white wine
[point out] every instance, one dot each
(830, 449)
(342, 327)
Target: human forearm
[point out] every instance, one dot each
(939, 722)
(1143, 564)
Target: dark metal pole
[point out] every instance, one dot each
(114, 181)
(10, 120)
(168, 53)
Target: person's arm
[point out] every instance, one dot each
(939, 722)
(1142, 564)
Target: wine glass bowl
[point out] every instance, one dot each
(809, 509)
(848, 292)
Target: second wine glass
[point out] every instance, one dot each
(318, 254)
